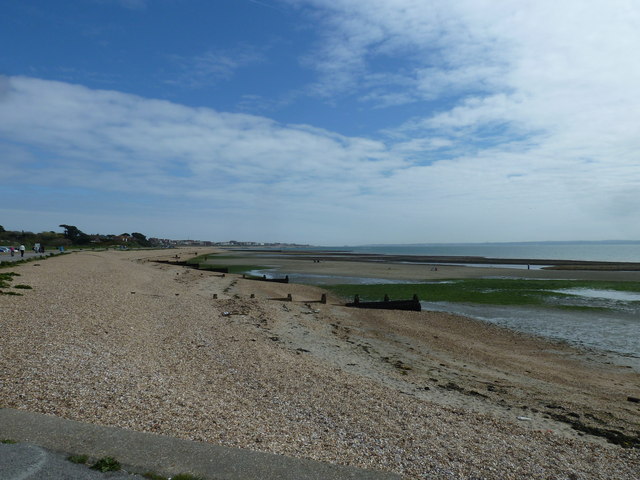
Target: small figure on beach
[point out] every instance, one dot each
(22, 249)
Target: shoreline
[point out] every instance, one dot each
(329, 270)
(557, 264)
(131, 343)
(417, 268)
(391, 270)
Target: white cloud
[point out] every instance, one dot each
(523, 127)
(297, 182)
(113, 142)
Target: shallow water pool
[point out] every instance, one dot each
(606, 294)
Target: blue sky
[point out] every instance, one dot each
(322, 121)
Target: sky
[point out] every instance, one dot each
(327, 122)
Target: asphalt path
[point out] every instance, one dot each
(25, 461)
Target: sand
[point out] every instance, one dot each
(116, 339)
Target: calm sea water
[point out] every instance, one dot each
(606, 252)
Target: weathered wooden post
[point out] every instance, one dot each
(323, 299)
(289, 297)
(356, 299)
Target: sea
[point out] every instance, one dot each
(614, 332)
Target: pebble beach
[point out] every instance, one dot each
(113, 338)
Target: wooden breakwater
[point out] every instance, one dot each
(193, 265)
(264, 278)
(387, 304)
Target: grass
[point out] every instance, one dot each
(106, 464)
(8, 441)
(7, 277)
(80, 459)
(110, 464)
(483, 291)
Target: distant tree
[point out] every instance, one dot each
(141, 239)
(2, 230)
(75, 235)
(51, 238)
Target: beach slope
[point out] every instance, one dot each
(115, 339)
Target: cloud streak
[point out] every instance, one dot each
(213, 66)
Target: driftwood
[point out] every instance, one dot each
(386, 304)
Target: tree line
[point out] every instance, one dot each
(72, 236)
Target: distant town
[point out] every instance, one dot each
(231, 243)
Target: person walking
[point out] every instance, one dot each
(22, 249)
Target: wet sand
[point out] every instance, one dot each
(415, 268)
(115, 339)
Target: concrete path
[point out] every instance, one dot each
(45, 441)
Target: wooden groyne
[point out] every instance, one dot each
(386, 304)
(264, 278)
(195, 266)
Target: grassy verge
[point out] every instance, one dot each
(484, 291)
